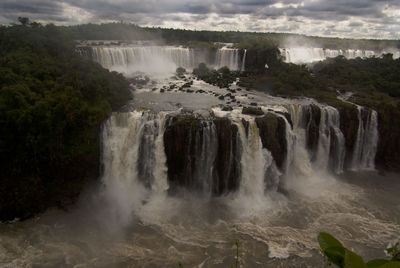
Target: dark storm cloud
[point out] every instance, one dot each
(217, 13)
(34, 7)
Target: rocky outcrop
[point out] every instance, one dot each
(272, 129)
(252, 111)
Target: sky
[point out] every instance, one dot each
(340, 18)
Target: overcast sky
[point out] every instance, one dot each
(342, 18)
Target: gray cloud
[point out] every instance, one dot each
(347, 18)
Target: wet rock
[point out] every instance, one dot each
(188, 84)
(139, 80)
(253, 104)
(221, 97)
(227, 108)
(272, 133)
(252, 111)
(162, 90)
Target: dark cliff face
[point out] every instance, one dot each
(227, 162)
(349, 127)
(313, 115)
(272, 129)
(179, 142)
(186, 153)
(388, 153)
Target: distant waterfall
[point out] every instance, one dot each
(160, 59)
(367, 140)
(301, 55)
(151, 59)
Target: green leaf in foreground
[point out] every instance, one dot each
(391, 264)
(352, 260)
(376, 263)
(326, 241)
(332, 249)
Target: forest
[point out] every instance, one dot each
(52, 104)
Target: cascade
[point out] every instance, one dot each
(152, 59)
(319, 143)
(133, 160)
(301, 55)
(367, 140)
(331, 147)
(244, 60)
(301, 164)
(228, 57)
(160, 59)
(258, 168)
(162, 153)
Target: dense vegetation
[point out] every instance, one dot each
(222, 77)
(52, 103)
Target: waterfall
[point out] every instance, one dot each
(367, 140)
(331, 147)
(244, 61)
(206, 143)
(301, 164)
(151, 154)
(328, 146)
(159, 59)
(134, 160)
(258, 168)
(152, 59)
(301, 55)
(228, 57)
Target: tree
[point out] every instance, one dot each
(23, 20)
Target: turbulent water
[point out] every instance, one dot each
(313, 54)
(227, 186)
